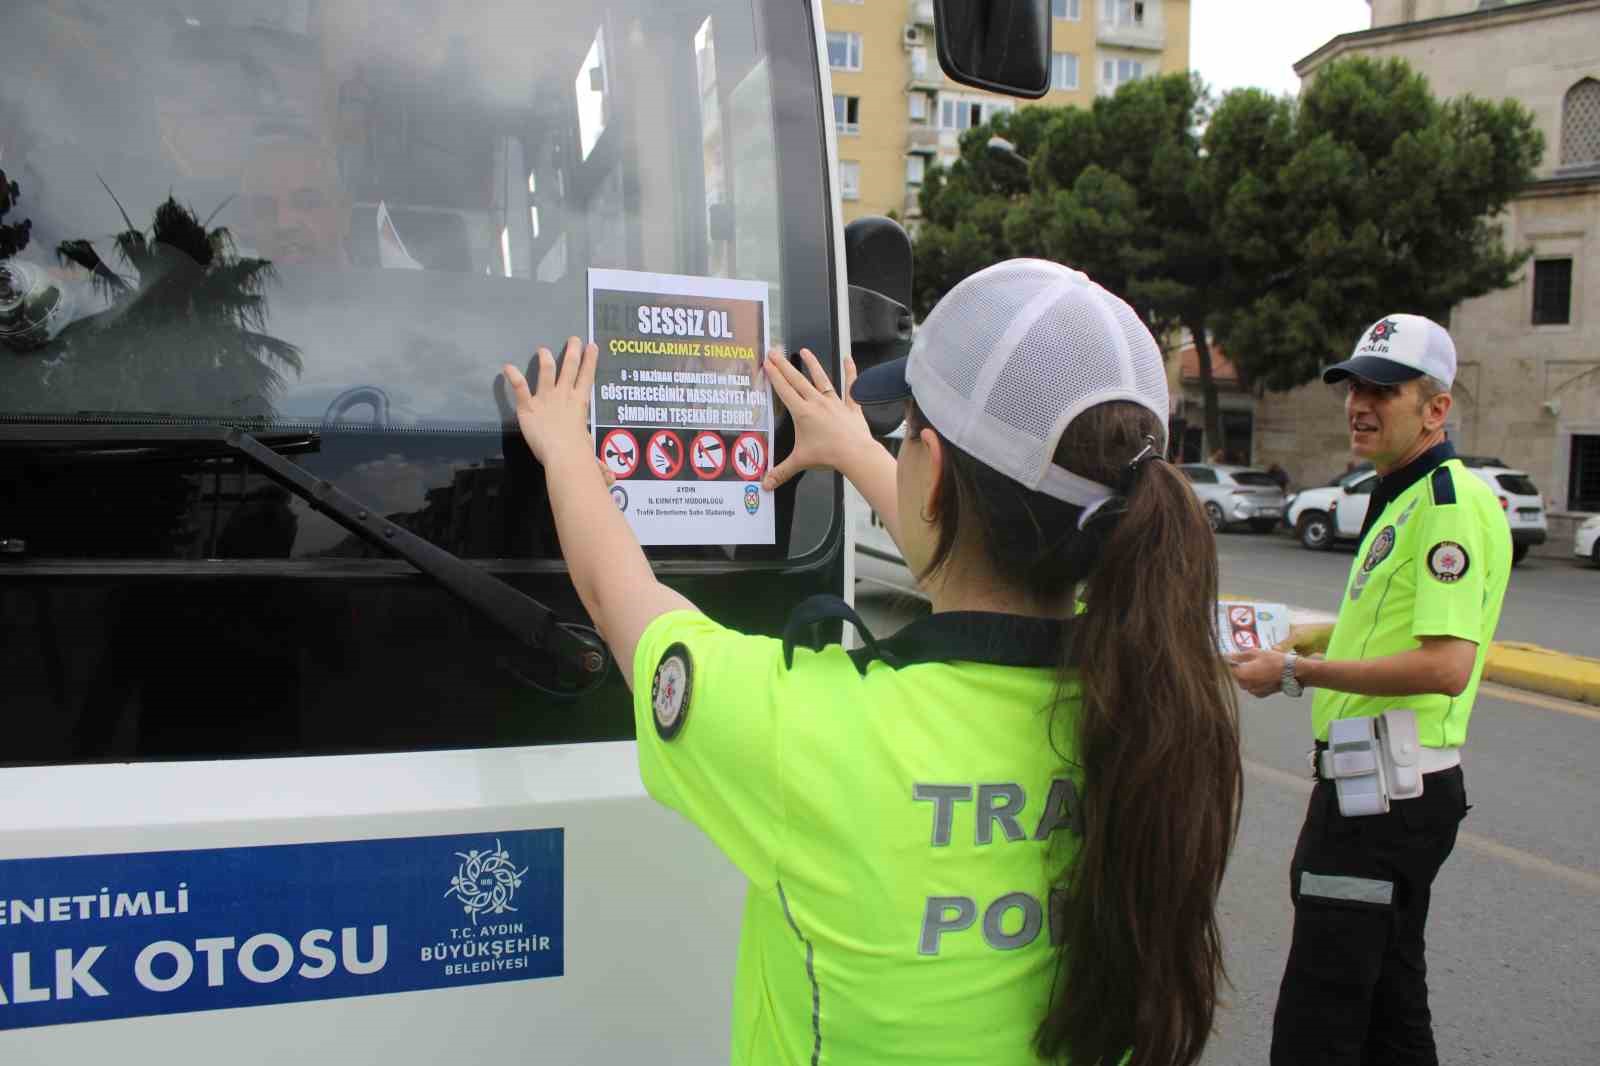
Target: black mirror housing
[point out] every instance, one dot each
(877, 256)
(999, 45)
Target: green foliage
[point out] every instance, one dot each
(1385, 202)
(1281, 227)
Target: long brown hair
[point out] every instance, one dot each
(1139, 963)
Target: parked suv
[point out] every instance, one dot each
(1236, 494)
(1322, 516)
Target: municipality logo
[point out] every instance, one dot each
(752, 499)
(486, 882)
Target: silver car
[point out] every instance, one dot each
(1236, 495)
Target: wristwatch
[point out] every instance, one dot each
(1291, 684)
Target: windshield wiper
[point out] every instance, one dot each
(531, 622)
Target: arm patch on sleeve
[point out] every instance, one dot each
(1444, 486)
(1448, 561)
(670, 690)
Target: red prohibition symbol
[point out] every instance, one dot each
(749, 456)
(708, 455)
(620, 452)
(664, 453)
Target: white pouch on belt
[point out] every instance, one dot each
(1372, 761)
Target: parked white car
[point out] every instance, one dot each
(1322, 516)
(1586, 541)
(1310, 511)
(1236, 494)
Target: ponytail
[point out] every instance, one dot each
(1141, 963)
(1156, 734)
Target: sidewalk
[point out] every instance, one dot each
(1519, 665)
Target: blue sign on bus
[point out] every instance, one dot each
(90, 937)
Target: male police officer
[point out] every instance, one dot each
(1419, 611)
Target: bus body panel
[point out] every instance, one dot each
(650, 911)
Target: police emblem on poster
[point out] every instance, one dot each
(1448, 561)
(1382, 545)
(679, 379)
(94, 937)
(669, 691)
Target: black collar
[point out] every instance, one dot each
(947, 636)
(1395, 482)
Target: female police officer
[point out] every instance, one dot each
(997, 836)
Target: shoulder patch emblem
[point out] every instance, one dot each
(1382, 545)
(669, 691)
(1448, 561)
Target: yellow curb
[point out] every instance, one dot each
(1554, 673)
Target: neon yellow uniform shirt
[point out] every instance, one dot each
(900, 825)
(1434, 563)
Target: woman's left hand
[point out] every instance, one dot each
(554, 416)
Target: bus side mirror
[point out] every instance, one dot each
(877, 258)
(999, 45)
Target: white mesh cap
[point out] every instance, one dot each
(1399, 348)
(1011, 355)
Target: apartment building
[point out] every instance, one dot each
(897, 115)
(1528, 383)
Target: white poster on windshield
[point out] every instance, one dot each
(682, 416)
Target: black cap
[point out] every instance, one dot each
(1371, 368)
(884, 383)
(882, 392)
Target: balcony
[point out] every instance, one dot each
(1147, 34)
(923, 140)
(923, 69)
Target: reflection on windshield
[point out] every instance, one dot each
(182, 328)
(391, 196)
(340, 217)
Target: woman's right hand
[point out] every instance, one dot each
(828, 427)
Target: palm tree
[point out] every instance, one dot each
(185, 335)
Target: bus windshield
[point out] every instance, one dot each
(341, 217)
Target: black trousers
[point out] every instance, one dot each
(1355, 989)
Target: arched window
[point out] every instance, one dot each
(1580, 124)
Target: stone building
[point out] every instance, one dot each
(1528, 389)
(896, 114)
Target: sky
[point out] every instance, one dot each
(1238, 43)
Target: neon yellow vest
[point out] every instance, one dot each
(1434, 564)
(900, 828)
